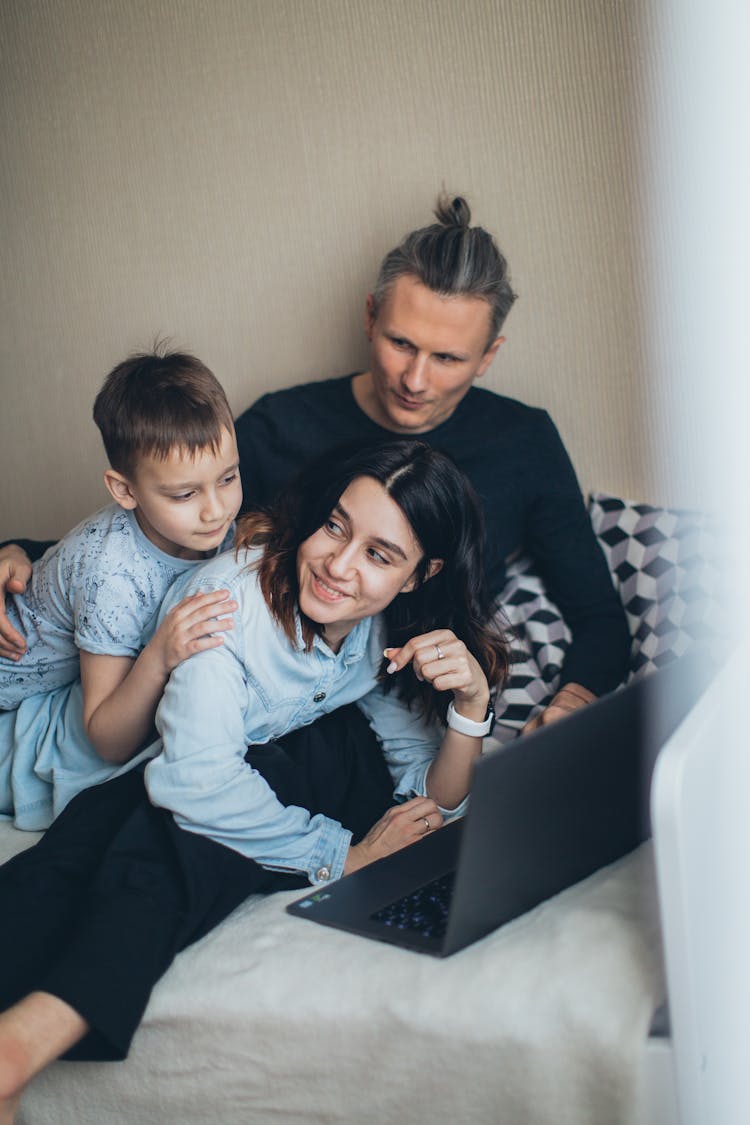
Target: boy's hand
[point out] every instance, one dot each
(190, 627)
(444, 661)
(15, 572)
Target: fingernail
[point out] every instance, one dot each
(392, 667)
(386, 651)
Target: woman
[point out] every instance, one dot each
(362, 584)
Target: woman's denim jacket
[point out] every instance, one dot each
(254, 688)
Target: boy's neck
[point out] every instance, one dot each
(174, 550)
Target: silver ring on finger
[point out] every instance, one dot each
(439, 651)
(426, 825)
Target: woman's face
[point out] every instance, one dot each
(357, 562)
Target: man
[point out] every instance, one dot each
(434, 322)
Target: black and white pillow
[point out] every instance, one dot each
(539, 640)
(667, 565)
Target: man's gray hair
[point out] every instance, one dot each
(453, 259)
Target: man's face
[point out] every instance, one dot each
(426, 352)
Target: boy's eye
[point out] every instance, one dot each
(229, 477)
(180, 496)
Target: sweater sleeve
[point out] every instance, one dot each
(561, 541)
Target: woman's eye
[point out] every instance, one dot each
(332, 526)
(377, 557)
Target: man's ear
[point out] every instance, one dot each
(119, 489)
(434, 567)
(371, 315)
(489, 355)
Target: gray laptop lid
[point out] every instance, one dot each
(545, 812)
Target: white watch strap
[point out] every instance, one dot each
(468, 726)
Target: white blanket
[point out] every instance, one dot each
(273, 1019)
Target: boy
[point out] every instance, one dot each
(92, 603)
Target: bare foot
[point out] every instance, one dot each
(33, 1033)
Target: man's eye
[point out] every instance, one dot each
(399, 343)
(445, 357)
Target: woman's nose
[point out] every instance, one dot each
(340, 561)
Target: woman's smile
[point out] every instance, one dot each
(324, 590)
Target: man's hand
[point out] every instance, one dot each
(401, 825)
(15, 572)
(568, 698)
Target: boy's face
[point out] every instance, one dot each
(184, 503)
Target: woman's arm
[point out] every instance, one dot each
(208, 715)
(441, 659)
(120, 695)
(424, 758)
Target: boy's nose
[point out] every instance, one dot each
(212, 508)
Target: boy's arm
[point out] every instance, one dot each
(120, 695)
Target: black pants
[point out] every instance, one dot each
(96, 911)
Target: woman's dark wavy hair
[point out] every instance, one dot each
(446, 518)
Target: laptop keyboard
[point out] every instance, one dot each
(424, 911)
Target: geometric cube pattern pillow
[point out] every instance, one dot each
(539, 640)
(668, 566)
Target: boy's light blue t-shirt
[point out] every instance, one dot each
(99, 589)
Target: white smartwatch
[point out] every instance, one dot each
(469, 726)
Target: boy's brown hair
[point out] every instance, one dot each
(154, 402)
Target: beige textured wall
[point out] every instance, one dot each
(228, 173)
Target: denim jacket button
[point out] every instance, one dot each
(323, 874)
(319, 697)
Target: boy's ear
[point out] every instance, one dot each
(118, 487)
(434, 567)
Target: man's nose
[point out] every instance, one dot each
(414, 377)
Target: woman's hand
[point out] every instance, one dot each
(401, 825)
(444, 661)
(191, 626)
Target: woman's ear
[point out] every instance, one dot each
(119, 489)
(434, 567)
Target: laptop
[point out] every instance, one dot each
(545, 812)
